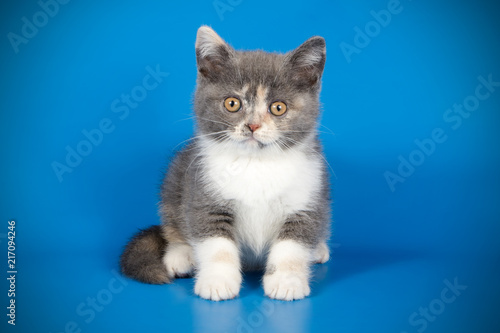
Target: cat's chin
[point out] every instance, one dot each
(253, 144)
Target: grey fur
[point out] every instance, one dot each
(142, 257)
(189, 210)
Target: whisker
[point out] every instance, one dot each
(216, 122)
(184, 119)
(217, 143)
(200, 136)
(312, 150)
(329, 130)
(202, 151)
(307, 132)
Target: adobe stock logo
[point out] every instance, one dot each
(373, 28)
(40, 19)
(94, 304)
(422, 318)
(426, 147)
(256, 318)
(122, 108)
(222, 6)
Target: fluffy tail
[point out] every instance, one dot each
(142, 258)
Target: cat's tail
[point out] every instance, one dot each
(142, 258)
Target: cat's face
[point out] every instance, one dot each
(257, 100)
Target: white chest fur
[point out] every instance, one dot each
(265, 188)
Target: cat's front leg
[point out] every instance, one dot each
(218, 268)
(287, 271)
(290, 257)
(218, 276)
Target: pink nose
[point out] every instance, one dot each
(253, 127)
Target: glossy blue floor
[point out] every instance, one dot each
(352, 293)
(411, 99)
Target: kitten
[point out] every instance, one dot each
(251, 190)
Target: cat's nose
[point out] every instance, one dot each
(253, 127)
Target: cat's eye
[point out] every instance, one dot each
(277, 108)
(232, 104)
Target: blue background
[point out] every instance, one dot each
(392, 250)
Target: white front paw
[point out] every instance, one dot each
(179, 260)
(321, 253)
(218, 285)
(286, 285)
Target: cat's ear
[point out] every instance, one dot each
(213, 54)
(308, 61)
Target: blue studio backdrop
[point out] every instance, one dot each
(96, 96)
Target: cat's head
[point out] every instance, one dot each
(257, 100)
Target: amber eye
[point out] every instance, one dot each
(232, 104)
(278, 108)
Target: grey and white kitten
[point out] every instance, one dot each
(251, 190)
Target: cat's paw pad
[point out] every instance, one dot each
(179, 260)
(218, 286)
(286, 286)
